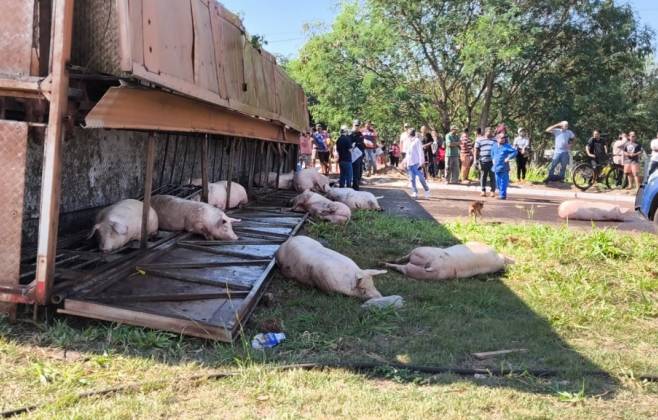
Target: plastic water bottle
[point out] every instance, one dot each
(267, 340)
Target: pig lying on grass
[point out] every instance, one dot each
(217, 194)
(322, 208)
(593, 211)
(306, 261)
(354, 199)
(459, 261)
(265, 179)
(121, 223)
(310, 179)
(177, 214)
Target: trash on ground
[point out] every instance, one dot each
(393, 301)
(267, 340)
(490, 354)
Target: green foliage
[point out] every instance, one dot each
(477, 62)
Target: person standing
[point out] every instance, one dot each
(654, 155)
(415, 160)
(395, 154)
(404, 140)
(321, 147)
(426, 140)
(465, 155)
(357, 164)
(522, 146)
(597, 152)
(562, 150)
(436, 143)
(330, 143)
(305, 149)
(370, 142)
(452, 156)
(483, 148)
(344, 150)
(501, 154)
(632, 152)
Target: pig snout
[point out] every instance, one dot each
(224, 229)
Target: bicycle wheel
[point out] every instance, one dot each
(615, 179)
(583, 176)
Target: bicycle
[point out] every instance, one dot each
(584, 175)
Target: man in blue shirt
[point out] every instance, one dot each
(501, 153)
(562, 151)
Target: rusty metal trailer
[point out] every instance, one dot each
(109, 99)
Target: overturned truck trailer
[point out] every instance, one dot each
(107, 100)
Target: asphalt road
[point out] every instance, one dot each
(449, 204)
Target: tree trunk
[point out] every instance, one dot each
(488, 96)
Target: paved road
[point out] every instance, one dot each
(452, 202)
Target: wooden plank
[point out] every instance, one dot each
(172, 297)
(136, 33)
(16, 32)
(148, 186)
(205, 67)
(220, 251)
(124, 22)
(143, 319)
(51, 172)
(191, 278)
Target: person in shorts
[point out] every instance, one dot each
(632, 152)
(305, 149)
(322, 150)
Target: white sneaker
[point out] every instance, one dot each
(427, 195)
(414, 195)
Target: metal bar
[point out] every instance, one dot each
(214, 159)
(204, 169)
(221, 252)
(258, 232)
(229, 180)
(182, 171)
(173, 162)
(51, 173)
(148, 186)
(196, 279)
(164, 161)
(196, 265)
(239, 242)
(174, 297)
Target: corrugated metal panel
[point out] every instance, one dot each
(16, 32)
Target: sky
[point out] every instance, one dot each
(281, 22)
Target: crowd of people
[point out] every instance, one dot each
(450, 157)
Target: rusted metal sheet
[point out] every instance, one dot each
(148, 109)
(13, 153)
(208, 290)
(16, 32)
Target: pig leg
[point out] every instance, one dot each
(398, 267)
(402, 260)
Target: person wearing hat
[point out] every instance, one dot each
(357, 165)
(344, 149)
(452, 156)
(522, 146)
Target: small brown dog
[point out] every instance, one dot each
(475, 209)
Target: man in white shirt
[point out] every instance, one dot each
(562, 150)
(654, 155)
(415, 161)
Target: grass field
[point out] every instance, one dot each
(576, 301)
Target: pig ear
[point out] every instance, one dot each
(374, 272)
(119, 228)
(93, 231)
(232, 220)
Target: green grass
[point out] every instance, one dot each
(576, 300)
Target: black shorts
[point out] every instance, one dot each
(324, 157)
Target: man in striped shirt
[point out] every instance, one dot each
(483, 159)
